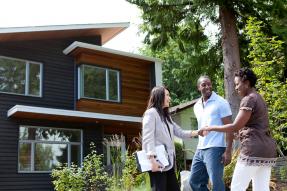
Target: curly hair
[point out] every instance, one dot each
(247, 74)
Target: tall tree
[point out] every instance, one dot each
(164, 18)
(231, 57)
(185, 61)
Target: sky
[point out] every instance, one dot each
(24, 13)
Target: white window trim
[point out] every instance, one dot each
(33, 142)
(27, 73)
(107, 85)
(81, 83)
(158, 73)
(27, 79)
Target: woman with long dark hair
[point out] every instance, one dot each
(257, 149)
(159, 129)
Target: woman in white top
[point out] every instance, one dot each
(159, 129)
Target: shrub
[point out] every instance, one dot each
(283, 173)
(91, 176)
(130, 172)
(266, 56)
(68, 178)
(179, 157)
(93, 170)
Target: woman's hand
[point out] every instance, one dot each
(194, 133)
(155, 165)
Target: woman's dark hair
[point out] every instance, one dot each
(247, 74)
(156, 100)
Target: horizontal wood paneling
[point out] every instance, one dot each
(93, 135)
(10, 179)
(58, 92)
(134, 85)
(58, 89)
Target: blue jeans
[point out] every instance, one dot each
(207, 163)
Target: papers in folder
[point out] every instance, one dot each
(144, 163)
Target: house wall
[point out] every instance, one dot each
(186, 120)
(10, 179)
(58, 92)
(135, 84)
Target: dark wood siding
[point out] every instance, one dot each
(10, 179)
(93, 134)
(58, 92)
(135, 83)
(58, 72)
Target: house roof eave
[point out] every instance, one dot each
(106, 30)
(183, 106)
(23, 111)
(75, 45)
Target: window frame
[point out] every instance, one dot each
(34, 142)
(81, 83)
(27, 77)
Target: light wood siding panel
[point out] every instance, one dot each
(135, 78)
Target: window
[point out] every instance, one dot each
(20, 76)
(41, 149)
(99, 83)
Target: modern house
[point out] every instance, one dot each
(60, 90)
(184, 116)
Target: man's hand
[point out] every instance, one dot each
(226, 157)
(203, 131)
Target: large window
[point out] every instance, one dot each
(99, 83)
(20, 76)
(41, 149)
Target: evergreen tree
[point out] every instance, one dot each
(172, 19)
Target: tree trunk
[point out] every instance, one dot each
(231, 57)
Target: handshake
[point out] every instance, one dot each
(203, 131)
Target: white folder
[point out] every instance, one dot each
(144, 163)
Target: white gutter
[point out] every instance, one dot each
(158, 73)
(70, 113)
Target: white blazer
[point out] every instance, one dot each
(155, 132)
